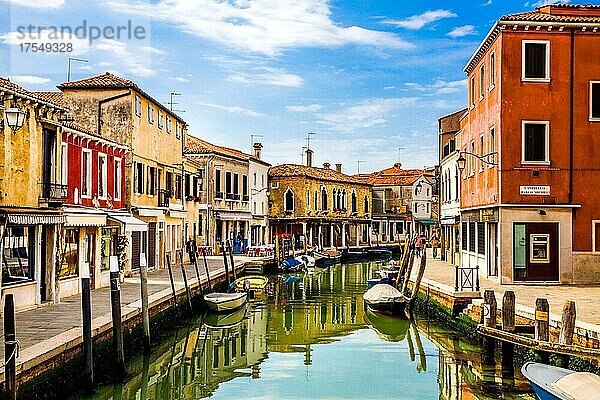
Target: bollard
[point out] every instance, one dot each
(567, 327)
(10, 349)
(206, 268)
(86, 315)
(542, 323)
(185, 282)
(144, 296)
(115, 301)
(508, 311)
(490, 307)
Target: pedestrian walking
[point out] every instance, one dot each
(435, 242)
(418, 246)
(191, 249)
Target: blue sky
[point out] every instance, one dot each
(367, 76)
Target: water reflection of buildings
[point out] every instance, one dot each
(318, 308)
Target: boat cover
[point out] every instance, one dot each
(579, 386)
(292, 263)
(382, 293)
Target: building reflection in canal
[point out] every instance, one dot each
(304, 313)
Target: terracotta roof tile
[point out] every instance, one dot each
(393, 176)
(52, 97)
(536, 16)
(194, 145)
(13, 87)
(326, 174)
(106, 80)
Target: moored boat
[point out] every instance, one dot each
(326, 258)
(292, 265)
(555, 383)
(385, 299)
(380, 253)
(307, 260)
(251, 283)
(223, 302)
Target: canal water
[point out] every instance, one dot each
(313, 339)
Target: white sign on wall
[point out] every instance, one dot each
(534, 190)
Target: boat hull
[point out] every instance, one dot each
(394, 307)
(323, 260)
(256, 283)
(225, 302)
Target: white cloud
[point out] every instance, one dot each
(548, 2)
(389, 88)
(267, 76)
(44, 4)
(487, 3)
(461, 31)
(261, 27)
(132, 60)
(233, 109)
(420, 20)
(366, 114)
(439, 87)
(179, 79)
(308, 108)
(105, 64)
(27, 80)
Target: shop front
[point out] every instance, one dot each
(28, 248)
(479, 241)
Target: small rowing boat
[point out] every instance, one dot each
(385, 299)
(555, 383)
(326, 258)
(224, 302)
(251, 283)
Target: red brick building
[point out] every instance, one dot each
(534, 109)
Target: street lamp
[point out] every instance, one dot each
(15, 117)
(486, 159)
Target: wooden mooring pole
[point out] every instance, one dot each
(144, 298)
(406, 278)
(10, 348)
(115, 302)
(206, 268)
(185, 281)
(86, 316)
(230, 250)
(490, 308)
(567, 328)
(508, 349)
(542, 326)
(420, 273)
(508, 311)
(168, 260)
(225, 264)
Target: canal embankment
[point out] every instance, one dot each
(51, 336)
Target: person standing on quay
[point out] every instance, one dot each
(435, 242)
(190, 248)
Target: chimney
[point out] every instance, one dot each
(309, 154)
(398, 165)
(338, 167)
(258, 150)
(326, 165)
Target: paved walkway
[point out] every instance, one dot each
(586, 297)
(37, 325)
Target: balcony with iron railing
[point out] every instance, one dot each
(54, 192)
(218, 195)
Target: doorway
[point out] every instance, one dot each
(536, 251)
(492, 253)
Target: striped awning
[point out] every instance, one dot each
(84, 217)
(234, 216)
(35, 219)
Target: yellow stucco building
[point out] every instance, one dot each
(323, 205)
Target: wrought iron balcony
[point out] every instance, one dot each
(218, 195)
(54, 192)
(245, 198)
(163, 197)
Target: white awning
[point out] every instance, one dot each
(178, 214)
(34, 219)
(130, 222)
(84, 217)
(234, 216)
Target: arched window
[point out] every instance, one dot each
(323, 198)
(316, 202)
(289, 200)
(354, 201)
(334, 198)
(344, 200)
(308, 200)
(366, 205)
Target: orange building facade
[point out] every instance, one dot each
(531, 213)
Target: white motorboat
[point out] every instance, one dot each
(222, 302)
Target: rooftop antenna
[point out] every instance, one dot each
(252, 141)
(171, 103)
(308, 139)
(358, 165)
(81, 60)
(399, 151)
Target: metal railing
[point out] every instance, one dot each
(466, 278)
(245, 198)
(54, 191)
(218, 195)
(163, 197)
